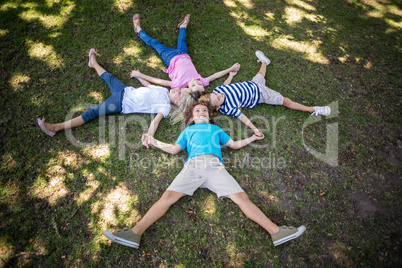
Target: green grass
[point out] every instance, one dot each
(56, 198)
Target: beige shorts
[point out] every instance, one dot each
(205, 172)
(267, 95)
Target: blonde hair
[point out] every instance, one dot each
(178, 114)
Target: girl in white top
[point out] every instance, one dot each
(124, 99)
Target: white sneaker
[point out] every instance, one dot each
(261, 57)
(322, 110)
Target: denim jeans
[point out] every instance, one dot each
(166, 53)
(110, 106)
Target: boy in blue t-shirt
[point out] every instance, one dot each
(228, 98)
(203, 168)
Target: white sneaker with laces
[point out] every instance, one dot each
(322, 110)
(261, 57)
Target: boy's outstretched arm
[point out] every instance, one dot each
(230, 77)
(152, 128)
(168, 148)
(137, 74)
(217, 75)
(241, 143)
(244, 119)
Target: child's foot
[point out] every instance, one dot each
(185, 22)
(41, 124)
(136, 23)
(261, 57)
(124, 237)
(285, 234)
(322, 110)
(92, 52)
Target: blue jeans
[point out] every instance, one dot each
(110, 106)
(166, 53)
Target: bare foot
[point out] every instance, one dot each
(92, 57)
(185, 22)
(136, 23)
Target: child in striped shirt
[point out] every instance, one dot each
(228, 98)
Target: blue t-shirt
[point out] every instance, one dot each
(203, 139)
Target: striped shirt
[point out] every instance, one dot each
(245, 94)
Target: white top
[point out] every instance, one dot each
(147, 100)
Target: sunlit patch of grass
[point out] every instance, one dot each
(236, 258)
(96, 95)
(235, 3)
(100, 152)
(296, 15)
(55, 188)
(91, 185)
(17, 81)
(45, 53)
(6, 250)
(3, 32)
(123, 5)
(118, 203)
(301, 4)
(209, 206)
(309, 49)
(48, 21)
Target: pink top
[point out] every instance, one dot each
(182, 70)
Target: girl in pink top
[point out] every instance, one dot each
(181, 69)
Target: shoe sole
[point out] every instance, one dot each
(119, 240)
(299, 232)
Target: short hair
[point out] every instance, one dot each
(189, 113)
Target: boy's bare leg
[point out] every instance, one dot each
(263, 69)
(296, 106)
(156, 211)
(253, 212)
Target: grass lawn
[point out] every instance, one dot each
(338, 175)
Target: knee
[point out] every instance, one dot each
(170, 197)
(240, 198)
(286, 101)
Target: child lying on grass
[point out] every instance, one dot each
(181, 69)
(203, 168)
(228, 98)
(124, 99)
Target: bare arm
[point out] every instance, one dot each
(152, 128)
(217, 75)
(137, 74)
(168, 148)
(244, 119)
(241, 143)
(230, 77)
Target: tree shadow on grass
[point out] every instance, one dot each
(57, 198)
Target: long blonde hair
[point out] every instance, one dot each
(178, 111)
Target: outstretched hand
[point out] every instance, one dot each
(146, 140)
(135, 74)
(235, 67)
(259, 136)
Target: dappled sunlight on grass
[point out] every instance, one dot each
(253, 30)
(100, 152)
(272, 198)
(309, 49)
(118, 203)
(18, 80)
(6, 250)
(55, 187)
(296, 15)
(96, 95)
(91, 185)
(123, 5)
(48, 21)
(234, 3)
(3, 32)
(236, 258)
(209, 206)
(380, 9)
(47, 54)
